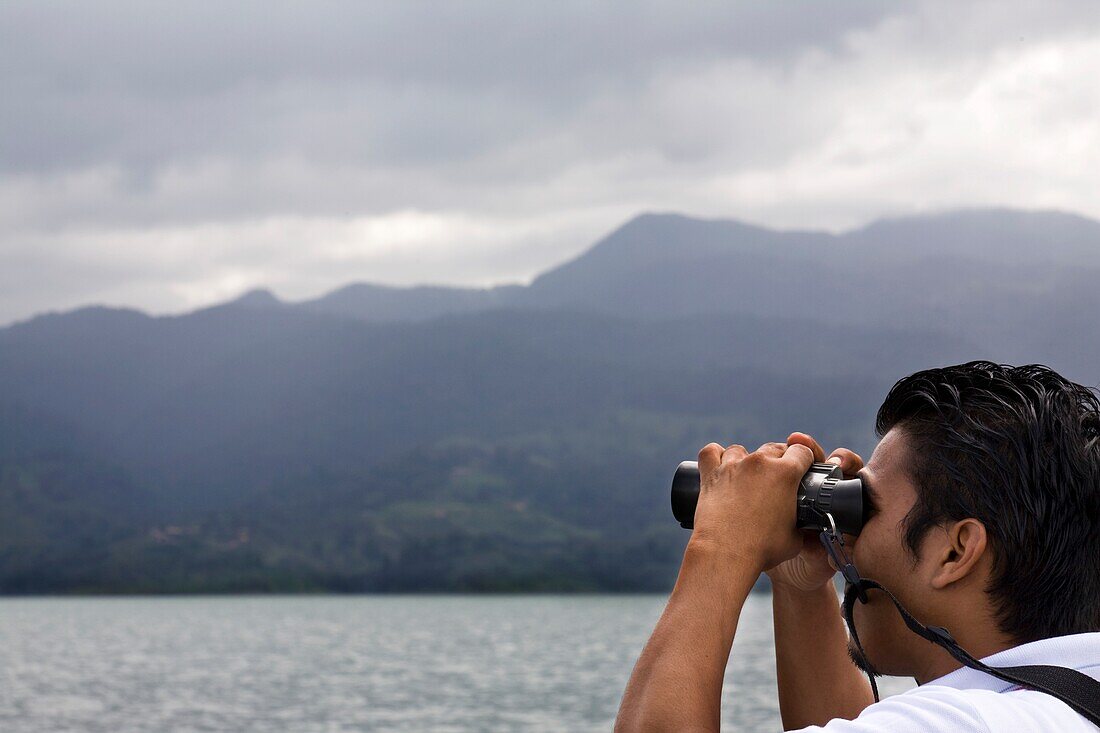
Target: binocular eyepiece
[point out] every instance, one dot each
(826, 500)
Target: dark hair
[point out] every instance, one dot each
(1018, 449)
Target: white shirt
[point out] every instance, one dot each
(968, 701)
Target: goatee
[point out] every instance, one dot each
(861, 662)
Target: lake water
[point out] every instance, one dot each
(340, 663)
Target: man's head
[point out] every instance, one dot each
(988, 488)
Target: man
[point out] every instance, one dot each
(985, 493)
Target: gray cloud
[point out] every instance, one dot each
(410, 82)
(164, 157)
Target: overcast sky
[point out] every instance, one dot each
(167, 156)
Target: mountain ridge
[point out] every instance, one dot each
(666, 234)
(259, 445)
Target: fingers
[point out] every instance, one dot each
(850, 463)
(735, 452)
(775, 450)
(806, 440)
(800, 456)
(713, 455)
(710, 457)
(796, 449)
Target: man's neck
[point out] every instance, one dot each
(979, 643)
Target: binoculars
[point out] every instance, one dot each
(826, 501)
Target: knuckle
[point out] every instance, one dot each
(792, 469)
(794, 465)
(755, 460)
(708, 449)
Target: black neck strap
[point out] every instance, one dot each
(1076, 689)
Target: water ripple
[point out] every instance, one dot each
(336, 664)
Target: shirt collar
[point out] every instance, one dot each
(1077, 651)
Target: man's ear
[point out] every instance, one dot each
(963, 550)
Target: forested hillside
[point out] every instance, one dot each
(514, 438)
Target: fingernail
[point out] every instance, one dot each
(834, 459)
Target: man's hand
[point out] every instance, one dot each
(810, 568)
(816, 680)
(746, 506)
(744, 523)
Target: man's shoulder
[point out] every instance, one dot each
(1012, 710)
(970, 701)
(933, 708)
(927, 709)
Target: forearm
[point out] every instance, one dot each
(677, 682)
(817, 680)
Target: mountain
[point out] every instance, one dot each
(62, 508)
(391, 304)
(511, 438)
(1018, 285)
(999, 279)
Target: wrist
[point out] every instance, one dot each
(724, 550)
(718, 564)
(713, 579)
(824, 594)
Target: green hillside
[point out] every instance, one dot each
(515, 439)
